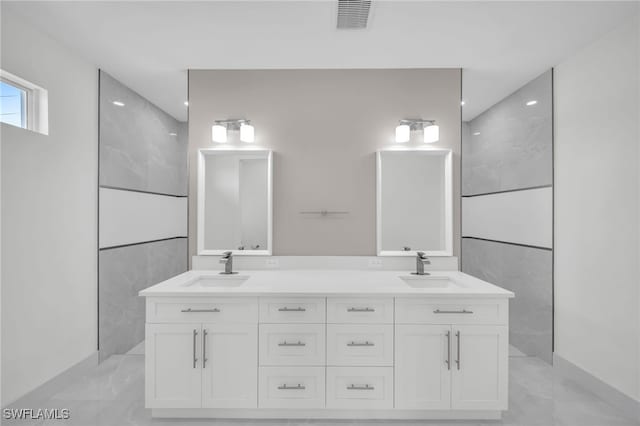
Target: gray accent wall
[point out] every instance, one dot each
(141, 146)
(143, 153)
(123, 273)
(528, 273)
(509, 146)
(324, 127)
(508, 150)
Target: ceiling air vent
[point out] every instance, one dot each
(353, 14)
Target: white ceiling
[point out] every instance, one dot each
(149, 45)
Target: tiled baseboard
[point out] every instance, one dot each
(628, 406)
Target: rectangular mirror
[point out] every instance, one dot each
(414, 201)
(234, 202)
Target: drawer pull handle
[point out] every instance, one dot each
(296, 387)
(360, 387)
(448, 360)
(298, 309)
(464, 311)
(204, 348)
(361, 310)
(298, 343)
(458, 354)
(366, 343)
(195, 360)
(189, 310)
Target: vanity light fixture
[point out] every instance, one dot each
(531, 103)
(431, 131)
(221, 127)
(218, 133)
(403, 133)
(247, 133)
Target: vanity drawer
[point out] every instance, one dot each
(360, 310)
(360, 387)
(360, 344)
(292, 344)
(451, 311)
(291, 387)
(292, 310)
(202, 309)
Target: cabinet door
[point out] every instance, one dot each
(230, 366)
(173, 375)
(423, 378)
(480, 367)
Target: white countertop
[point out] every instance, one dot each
(305, 282)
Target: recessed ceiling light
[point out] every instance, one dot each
(530, 103)
(118, 103)
(462, 103)
(476, 134)
(186, 103)
(173, 134)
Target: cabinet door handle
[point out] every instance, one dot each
(195, 360)
(365, 343)
(204, 348)
(448, 361)
(464, 311)
(189, 310)
(360, 387)
(458, 354)
(298, 343)
(286, 309)
(361, 310)
(287, 387)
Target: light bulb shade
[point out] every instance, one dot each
(218, 133)
(247, 133)
(403, 133)
(431, 133)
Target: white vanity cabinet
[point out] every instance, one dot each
(451, 365)
(352, 357)
(209, 364)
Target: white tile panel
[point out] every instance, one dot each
(523, 217)
(128, 217)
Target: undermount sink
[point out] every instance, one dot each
(218, 281)
(427, 281)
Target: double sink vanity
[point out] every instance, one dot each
(326, 344)
(330, 342)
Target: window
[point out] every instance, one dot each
(13, 104)
(23, 104)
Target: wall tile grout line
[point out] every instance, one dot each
(142, 191)
(508, 190)
(141, 242)
(509, 243)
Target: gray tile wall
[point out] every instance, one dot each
(510, 147)
(123, 272)
(527, 272)
(141, 148)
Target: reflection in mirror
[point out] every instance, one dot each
(234, 202)
(414, 202)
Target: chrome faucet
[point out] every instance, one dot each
(421, 260)
(227, 259)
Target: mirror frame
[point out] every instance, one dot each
(202, 153)
(448, 202)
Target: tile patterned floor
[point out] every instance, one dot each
(113, 395)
